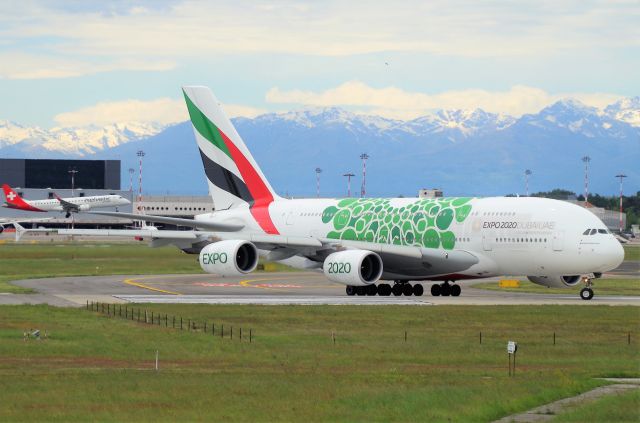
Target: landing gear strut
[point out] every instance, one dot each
(586, 293)
(445, 289)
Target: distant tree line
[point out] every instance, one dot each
(630, 204)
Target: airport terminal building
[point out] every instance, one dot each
(41, 179)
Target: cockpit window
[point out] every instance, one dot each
(602, 231)
(586, 232)
(593, 231)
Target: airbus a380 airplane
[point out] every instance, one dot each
(361, 241)
(67, 205)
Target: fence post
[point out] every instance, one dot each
(554, 338)
(221, 331)
(231, 332)
(405, 336)
(138, 314)
(180, 322)
(87, 304)
(189, 324)
(250, 333)
(205, 326)
(480, 337)
(241, 334)
(213, 329)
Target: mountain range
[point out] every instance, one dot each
(464, 152)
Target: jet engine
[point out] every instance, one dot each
(353, 267)
(555, 281)
(229, 258)
(84, 207)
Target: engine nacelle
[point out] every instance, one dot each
(353, 267)
(84, 207)
(229, 258)
(555, 281)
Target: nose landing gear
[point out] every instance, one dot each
(586, 293)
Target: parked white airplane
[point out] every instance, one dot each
(360, 241)
(67, 205)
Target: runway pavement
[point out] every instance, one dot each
(262, 288)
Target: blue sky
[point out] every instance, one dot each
(77, 63)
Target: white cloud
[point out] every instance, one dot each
(235, 110)
(164, 111)
(31, 66)
(397, 103)
(195, 29)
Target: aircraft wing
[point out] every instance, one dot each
(67, 206)
(211, 226)
(10, 221)
(147, 233)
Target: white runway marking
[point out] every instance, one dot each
(271, 300)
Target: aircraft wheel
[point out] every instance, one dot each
(435, 290)
(384, 289)
(407, 290)
(397, 290)
(372, 290)
(351, 290)
(445, 289)
(455, 290)
(418, 290)
(586, 293)
(361, 290)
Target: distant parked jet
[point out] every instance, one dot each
(67, 205)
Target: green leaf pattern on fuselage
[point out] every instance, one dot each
(423, 223)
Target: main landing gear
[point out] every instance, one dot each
(384, 289)
(445, 289)
(586, 293)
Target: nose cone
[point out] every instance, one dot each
(613, 254)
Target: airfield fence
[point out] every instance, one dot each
(154, 318)
(142, 315)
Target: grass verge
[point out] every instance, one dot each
(100, 366)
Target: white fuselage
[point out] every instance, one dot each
(509, 236)
(83, 203)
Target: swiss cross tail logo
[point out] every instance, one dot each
(11, 196)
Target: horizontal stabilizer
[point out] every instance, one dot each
(210, 226)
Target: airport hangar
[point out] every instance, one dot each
(39, 179)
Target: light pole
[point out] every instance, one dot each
(131, 172)
(527, 173)
(318, 172)
(349, 175)
(140, 154)
(73, 172)
(363, 190)
(621, 176)
(586, 160)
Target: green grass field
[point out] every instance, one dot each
(601, 287)
(632, 252)
(95, 367)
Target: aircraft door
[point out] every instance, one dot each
(486, 242)
(291, 217)
(558, 241)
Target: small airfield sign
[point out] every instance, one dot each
(512, 347)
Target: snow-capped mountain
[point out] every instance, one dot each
(626, 110)
(82, 141)
(462, 151)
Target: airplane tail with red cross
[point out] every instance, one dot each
(234, 177)
(14, 201)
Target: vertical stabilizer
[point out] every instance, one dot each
(233, 175)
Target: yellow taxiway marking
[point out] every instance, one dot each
(133, 282)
